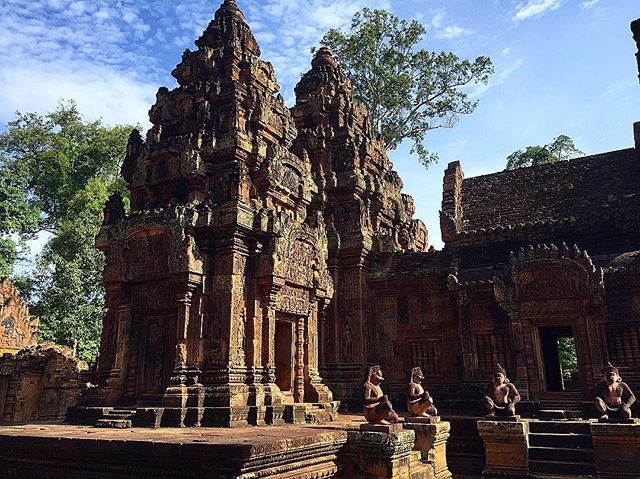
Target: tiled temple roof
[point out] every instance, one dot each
(577, 189)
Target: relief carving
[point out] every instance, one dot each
(17, 328)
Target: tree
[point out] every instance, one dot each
(560, 149)
(60, 171)
(408, 91)
(19, 220)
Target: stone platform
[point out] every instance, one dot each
(340, 449)
(61, 451)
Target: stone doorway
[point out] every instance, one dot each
(285, 349)
(560, 359)
(4, 393)
(154, 352)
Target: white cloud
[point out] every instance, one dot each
(69, 49)
(535, 8)
(101, 92)
(438, 20)
(589, 3)
(446, 32)
(453, 31)
(505, 51)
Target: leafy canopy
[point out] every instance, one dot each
(560, 149)
(56, 172)
(407, 90)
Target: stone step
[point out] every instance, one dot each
(119, 414)
(114, 423)
(562, 414)
(562, 468)
(560, 454)
(557, 427)
(561, 440)
(542, 475)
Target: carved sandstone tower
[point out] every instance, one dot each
(216, 279)
(365, 211)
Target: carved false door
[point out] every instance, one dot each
(155, 355)
(289, 358)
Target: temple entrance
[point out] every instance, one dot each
(153, 353)
(558, 348)
(284, 358)
(4, 391)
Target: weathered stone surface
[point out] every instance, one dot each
(220, 270)
(393, 427)
(382, 456)
(506, 448)
(616, 449)
(364, 209)
(431, 441)
(17, 328)
(40, 382)
(62, 451)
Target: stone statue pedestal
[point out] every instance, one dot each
(380, 455)
(422, 420)
(616, 449)
(431, 441)
(506, 447)
(503, 418)
(385, 428)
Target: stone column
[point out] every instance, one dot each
(175, 397)
(431, 441)
(506, 447)
(298, 385)
(616, 449)
(465, 335)
(118, 375)
(380, 455)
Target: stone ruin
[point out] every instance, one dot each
(17, 328)
(36, 381)
(40, 382)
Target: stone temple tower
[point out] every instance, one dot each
(218, 276)
(367, 216)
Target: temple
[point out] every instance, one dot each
(269, 265)
(270, 256)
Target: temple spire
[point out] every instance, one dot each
(324, 57)
(230, 7)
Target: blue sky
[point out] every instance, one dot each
(562, 67)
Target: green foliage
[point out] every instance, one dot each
(560, 149)
(408, 91)
(568, 356)
(60, 170)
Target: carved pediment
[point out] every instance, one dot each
(549, 274)
(298, 255)
(17, 329)
(151, 245)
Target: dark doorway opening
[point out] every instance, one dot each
(560, 358)
(4, 392)
(284, 356)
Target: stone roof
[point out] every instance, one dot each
(576, 189)
(413, 264)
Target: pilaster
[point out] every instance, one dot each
(506, 447)
(616, 449)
